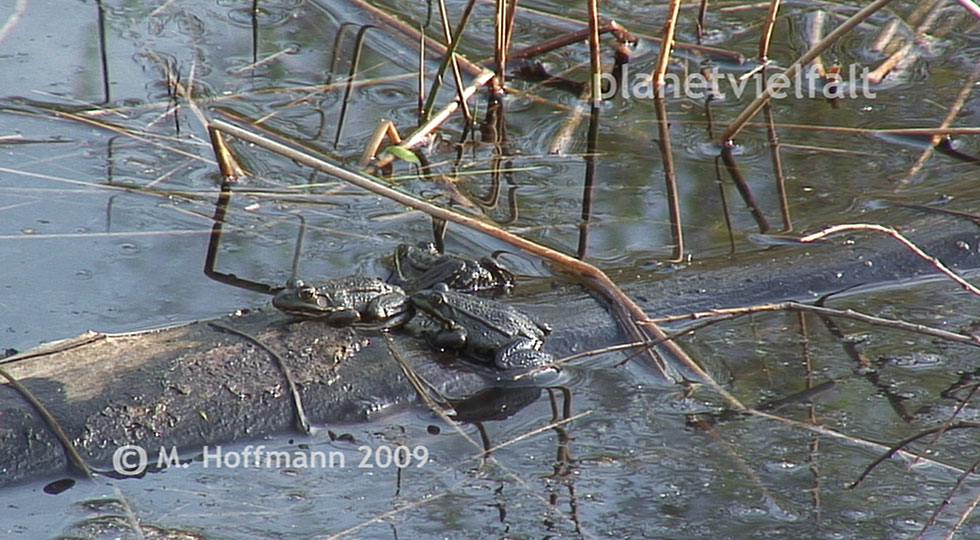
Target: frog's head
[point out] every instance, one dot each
(299, 298)
(419, 257)
(434, 300)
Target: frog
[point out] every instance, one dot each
(483, 329)
(426, 267)
(346, 301)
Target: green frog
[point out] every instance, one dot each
(483, 329)
(421, 267)
(346, 300)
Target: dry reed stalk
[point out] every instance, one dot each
(621, 34)
(422, 113)
(885, 36)
(666, 46)
(452, 41)
(777, 168)
(663, 130)
(385, 129)
(777, 164)
(595, 62)
(767, 28)
(500, 45)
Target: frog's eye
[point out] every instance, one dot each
(307, 294)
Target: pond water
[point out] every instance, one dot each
(107, 205)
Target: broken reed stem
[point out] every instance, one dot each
(621, 34)
(767, 28)
(385, 129)
(897, 236)
(968, 509)
(595, 62)
(665, 47)
(626, 310)
(227, 164)
(817, 22)
(807, 57)
(499, 46)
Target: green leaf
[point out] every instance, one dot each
(403, 154)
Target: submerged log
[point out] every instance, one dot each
(197, 384)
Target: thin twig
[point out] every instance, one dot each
(14, 19)
(426, 390)
(948, 499)
(727, 314)
(897, 236)
(964, 515)
(949, 421)
(301, 419)
(902, 444)
(74, 457)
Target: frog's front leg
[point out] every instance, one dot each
(521, 354)
(390, 309)
(452, 337)
(343, 317)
